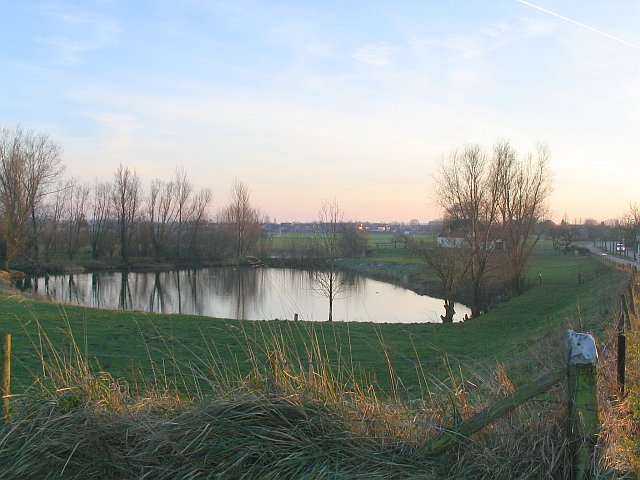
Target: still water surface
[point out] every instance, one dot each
(242, 293)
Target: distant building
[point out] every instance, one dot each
(457, 241)
(449, 241)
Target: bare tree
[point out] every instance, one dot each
(101, 219)
(523, 188)
(44, 166)
(29, 163)
(52, 215)
(566, 234)
(184, 188)
(161, 213)
(77, 199)
(450, 264)
(326, 278)
(241, 218)
(198, 217)
(125, 198)
(468, 193)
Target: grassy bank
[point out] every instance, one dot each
(124, 343)
(187, 397)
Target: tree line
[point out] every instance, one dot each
(44, 215)
(493, 202)
(617, 235)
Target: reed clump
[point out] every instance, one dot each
(249, 432)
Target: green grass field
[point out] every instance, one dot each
(519, 333)
(179, 396)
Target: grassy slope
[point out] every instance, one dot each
(127, 342)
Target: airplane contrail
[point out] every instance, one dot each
(549, 12)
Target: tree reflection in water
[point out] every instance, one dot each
(125, 302)
(241, 293)
(96, 298)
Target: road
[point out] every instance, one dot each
(613, 258)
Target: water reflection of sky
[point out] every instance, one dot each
(253, 294)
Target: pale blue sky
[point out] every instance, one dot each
(311, 100)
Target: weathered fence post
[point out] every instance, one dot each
(6, 375)
(582, 359)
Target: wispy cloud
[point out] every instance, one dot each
(377, 54)
(579, 24)
(76, 32)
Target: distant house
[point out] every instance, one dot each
(458, 240)
(450, 241)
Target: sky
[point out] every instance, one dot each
(356, 101)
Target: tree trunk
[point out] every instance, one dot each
(449, 311)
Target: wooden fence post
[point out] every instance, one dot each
(6, 375)
(582, 388)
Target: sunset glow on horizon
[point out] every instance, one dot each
(356, 101)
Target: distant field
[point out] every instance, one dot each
(170, 347)
(375, 240)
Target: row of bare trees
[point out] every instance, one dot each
(492, 203)
(117, 216)
(43, 214)
(170, 221)
(617, 232)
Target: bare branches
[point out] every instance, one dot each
(173, 211)
(495, 202)
(468, 193)
(29, 163)
(101, 215)
(125, 198)
(330, 223)
(523, 187)
(241, 218)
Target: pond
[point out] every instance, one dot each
(242, 293)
